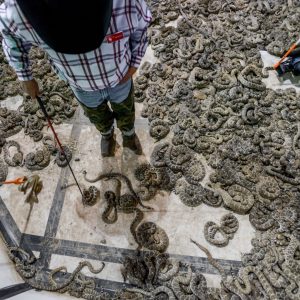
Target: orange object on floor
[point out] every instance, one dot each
(18, 180)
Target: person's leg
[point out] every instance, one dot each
(101, 116)
(124, 110)
(122, 104)
(95, 107)
(295, 53)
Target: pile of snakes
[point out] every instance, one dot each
(207, 105)
(29, 118)
(208, 108)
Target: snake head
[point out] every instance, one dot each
(84, 172)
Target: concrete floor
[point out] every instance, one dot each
(72, 232)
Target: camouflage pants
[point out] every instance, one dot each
(103, 116)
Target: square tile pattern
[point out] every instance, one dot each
(65, 231)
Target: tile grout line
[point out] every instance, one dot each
(56, 208)
(11, 234)
(49, 245)
(115, 255)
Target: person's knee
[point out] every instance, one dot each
(94, 119)
(124, 108)
(91, 113)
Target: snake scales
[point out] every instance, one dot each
(243, 129)
(148, 234)
(229, 225)
(75, 284)
(207, 91)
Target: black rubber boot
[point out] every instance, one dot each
(108, 145)
(133, 143)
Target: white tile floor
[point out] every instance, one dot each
(84, 224)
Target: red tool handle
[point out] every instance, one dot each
(58, 141)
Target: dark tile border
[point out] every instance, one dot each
(48, 245)
(116, 255)
(13, 290)
(56, 207)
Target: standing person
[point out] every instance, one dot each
(95, 45)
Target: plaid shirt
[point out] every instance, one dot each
(98, 69)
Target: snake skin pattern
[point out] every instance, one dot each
(228, 226)
(207, 104)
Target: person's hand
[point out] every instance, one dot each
(31, 88)
(129, 74)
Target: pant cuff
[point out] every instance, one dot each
(108, 132)
(129, 133)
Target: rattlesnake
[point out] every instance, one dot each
(37, 160)
(116, 175)
(179, 91)
(90, 195)
(17, 158)
(27, 269)
(152, 237)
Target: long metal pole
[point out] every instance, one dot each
(58, 141)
